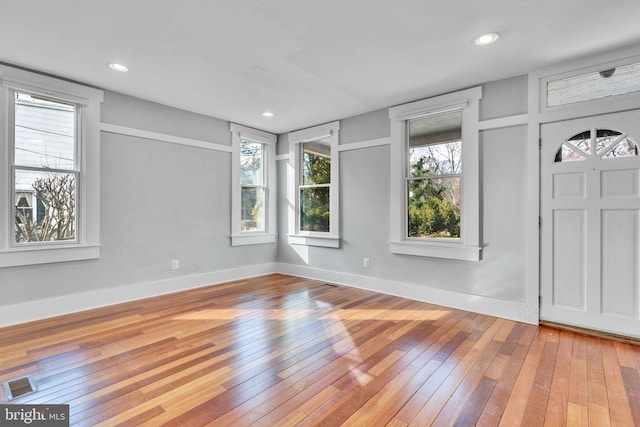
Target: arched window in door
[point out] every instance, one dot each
(603, 143)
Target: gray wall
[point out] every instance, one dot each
(159, 201)
(162, 201)
(364, 208)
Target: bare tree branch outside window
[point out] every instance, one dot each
(56, 195)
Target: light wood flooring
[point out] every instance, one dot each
(279, 350)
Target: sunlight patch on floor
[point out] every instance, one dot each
(292, 314)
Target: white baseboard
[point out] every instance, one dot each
(65, 304)
(41, 309)
(511, 310)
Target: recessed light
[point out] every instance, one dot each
(118, 67)
(267, 114)
(486, 39)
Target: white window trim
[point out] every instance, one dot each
(468, 247)
(538, 114)
(88, 216)
(607, 104)
(329, 239)
(242, 238)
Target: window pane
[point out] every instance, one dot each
(251, 163)
(605, 138)
(434, 208)
(568, 154)
(438, 159)
(316, 162)
(314, 209)
(44, 133)
(252, 209)
(609, 144)
(582, 141)
(616, 81)
(51, 199)
(625, 148)
(435, 146)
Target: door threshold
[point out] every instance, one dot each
(591, 332)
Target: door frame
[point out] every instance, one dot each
(540, 114)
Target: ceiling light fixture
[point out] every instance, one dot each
(486, 39)
(267, 114)
(118, 67)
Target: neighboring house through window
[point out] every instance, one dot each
(313, 186)
(253, 199)
(52, 169)
(45, 158)
(435, 177)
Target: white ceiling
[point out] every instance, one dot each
(307, 61)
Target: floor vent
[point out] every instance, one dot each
(19, 387)
(332, 285)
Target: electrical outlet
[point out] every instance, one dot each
(175, 264)
(366, 263)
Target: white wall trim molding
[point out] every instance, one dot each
(511, 310)
(45, 308)
(466, 103)
(44, 255)
(592, 107)
(538, 116)
(532, 226)
(266, 185)
(280, 157)
(504, 122)
(163, 137)
(40, 309)
(86, 102)
(369, 143)
(296, 234)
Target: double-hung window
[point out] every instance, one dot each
(435, 177)
(45, 169)
(313, 188)
(315, 185)
(51, 157)
(253, 199)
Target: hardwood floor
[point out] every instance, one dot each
(279, 350)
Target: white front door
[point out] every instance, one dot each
(590, 229)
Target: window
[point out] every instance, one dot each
(313, 188)
(597, 143)
(252, 186)
(52, 169)
(315, 185)
(44, 168)
(253, 199)
(434, 177)
(593, 85)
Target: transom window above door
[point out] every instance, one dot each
(602, 143)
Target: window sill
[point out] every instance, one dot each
(33, 256)
(437, 250)
(252, 239)
(308, 240)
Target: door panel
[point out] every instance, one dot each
(620, 183)
(590, 231)
(569, 258)
(619, 255)
(569, 185)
